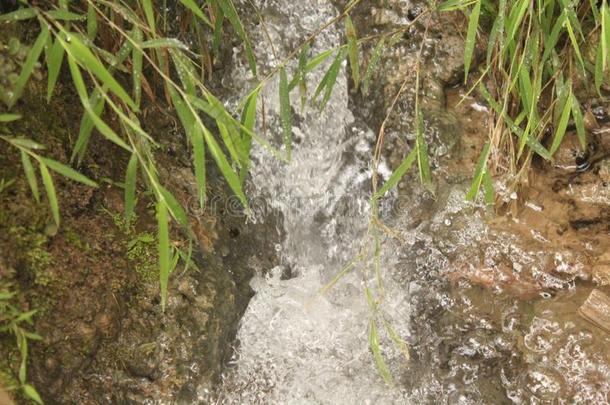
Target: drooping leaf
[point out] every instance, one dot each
(131, 178)
(47, 181)
(55, 57)
(199, 163)
(30, 175)
(18, 15)
(164, 250)
(328, 81)
(229, 11)
(560, 130)
(479, 173)
(398, 173)
(370, 69)
(471, 37)
(136, 59)
(248, 120)
(353, 50)
(224, 166)
(29, 64)
(9, 117)
(422, 155)
(380, 362)
(579, 122)
(285, 112)
(83, 55)
(68, 172)
(191, 5)
(31, 393)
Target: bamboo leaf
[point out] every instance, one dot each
(328, 81)
(164, 250)
(28, 65)
(55, 58)
(579, 122)
(479, 173)
(18, 15)
(370, 69)
(228, 173)
(560, 130)
(83, 55)
(382, 367)
(397, 174)
(136, 60)
(285, 112)
(422, 155)
(131, 178)
(248, 120)
(9, 117)
(199, 163)
(191, 5)
(230, 138)
(31, 393)
(98, 122)
(229, 11)
(353, 50)
(149, 12)
(164, 43)
(68, 172)
(174, 206)
(66, 15)
(471, 37)
(91, 22)
(47, 181)
(30, 175)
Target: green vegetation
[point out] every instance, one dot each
(14, 321)
(540, 59)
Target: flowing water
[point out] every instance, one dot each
(468, 344)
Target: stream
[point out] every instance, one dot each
(467, 343)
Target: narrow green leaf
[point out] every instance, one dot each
(47, 181)
(9, 117)
(131, 179)
(382, 367)
(231, 140)
(68, 172)
(164, 43)
(605, 34)
(229, 11)
(191, 5)
(248, 120)
(471, 37)
(285, 112)
(98, 122)
(150, 14)
(64, 15)
(479, 173)
(452, 5)
(164, 250)
(353, 50)
(18, 15)
(174, 207)
(579, 122)
(599, 68)
(55, 57)
(224, 166)
(328, 81)
(82, 53)
(25, 143)
(137, 66)
(422, 155)
(87, 125)
(560, 130)
(370, 69)
(91, 22)
(199, 163)
(28, 65)
(31, 393)
(397, 174)
(30, 175)
(488, 188)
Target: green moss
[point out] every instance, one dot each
(32, 244)
(142, 252)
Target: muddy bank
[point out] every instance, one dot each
(94, 280)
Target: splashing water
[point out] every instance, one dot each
(468, 344)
